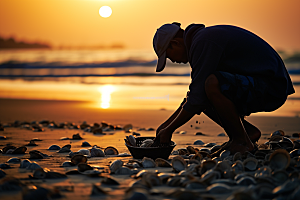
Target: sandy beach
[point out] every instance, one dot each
(80, 186)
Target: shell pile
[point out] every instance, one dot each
(272, 172)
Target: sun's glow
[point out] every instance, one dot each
(106, 91)
(105, 11)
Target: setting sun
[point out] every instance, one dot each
(105, 11)
(106, 90)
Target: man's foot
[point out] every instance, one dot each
(252, 131)
(235, 147)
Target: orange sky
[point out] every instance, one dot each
(133, 22)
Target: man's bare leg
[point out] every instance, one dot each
(252, 131)
(229, 117)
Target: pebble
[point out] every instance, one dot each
(198, 142)
(85, 144)
(54, 147)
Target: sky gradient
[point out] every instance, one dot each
(134, 22)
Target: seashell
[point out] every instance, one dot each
(136, 134)
(295, 153)
(91, 172)
(206, 150)
(288, 187)
(224, 154)
(162, 162)
(97, 131)
(39, 173)
(241, 195)
(183, 151)
(55, 175)
(151, 179)
(250, 163)
(219, 188)
(4, 166)
(6, 148)
(76, 137)
(174, 181)
(263, 191)
(19, 150)
(279, 159)
(246, 181)
(85, 152)
(83, 167)
(67, 164)
(195, 184)
(198, 156)
(147, 143)
(275, 138)
(64, 138)
(198, 142)
(64, 150)
(31, 143)
(111, 151)
(178, 164)
(67, 146)
(24, 163)
(209, 176)
(204, 154)
(36, 155)
(280, 176)
(95, 152)
(132, 140)
(54, 147)
(237, 156)
(97, 190)
(139, 193)
(278, 132)
(182, 132)
(175, 152)
(286, 143)
(191, 150)
(85, 144)
(238, 167)
(76, 159)
(294, 175)
(115, 165)
(33, 166)
(148, 163)
(14, 160)
(207, 165)
(264, 171)
(123, 171)
(2, 137)
(209, 144)
(109, 181)
(127, 128)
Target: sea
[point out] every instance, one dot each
(117, 78)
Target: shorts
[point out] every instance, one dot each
(249, 94)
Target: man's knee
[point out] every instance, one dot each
(211, 86)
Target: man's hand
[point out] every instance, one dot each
(164, 135)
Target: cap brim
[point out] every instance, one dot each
(161, 63)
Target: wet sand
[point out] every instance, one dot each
(79, 186)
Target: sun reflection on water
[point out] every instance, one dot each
(106, 91)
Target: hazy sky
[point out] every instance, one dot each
(134, 22)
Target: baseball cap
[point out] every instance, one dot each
(161, 41)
